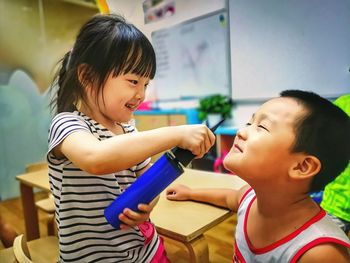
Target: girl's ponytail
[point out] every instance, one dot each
(65, 86)
(64, 68)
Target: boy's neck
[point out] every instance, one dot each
(277, 204)
(274, 216)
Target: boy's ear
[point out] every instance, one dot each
(305, 167)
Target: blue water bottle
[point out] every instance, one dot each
(151, 183)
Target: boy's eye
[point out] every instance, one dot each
(263, 127)
(248, 124)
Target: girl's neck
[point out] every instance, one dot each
(100, 118)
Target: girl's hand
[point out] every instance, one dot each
(196, 138)
(131, 218)
(178, 192)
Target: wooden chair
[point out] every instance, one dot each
(46, 205)
(32, 167)
(20, 250)
(38, 250)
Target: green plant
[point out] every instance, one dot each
(217, 103)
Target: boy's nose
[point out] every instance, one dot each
(242, 132)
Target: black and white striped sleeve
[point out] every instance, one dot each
(63, 125)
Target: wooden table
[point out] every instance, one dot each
(184, 222)
(28, 182)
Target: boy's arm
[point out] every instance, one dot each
(325, 253)
(223, 197)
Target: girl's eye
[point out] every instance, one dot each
(248, 124)
(134, 82)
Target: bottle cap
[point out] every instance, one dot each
(186, 156)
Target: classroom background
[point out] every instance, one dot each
(245, 50)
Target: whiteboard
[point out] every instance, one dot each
(193, 58)
(280, 44)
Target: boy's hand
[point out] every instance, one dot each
(178, 192)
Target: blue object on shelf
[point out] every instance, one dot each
(317, 196)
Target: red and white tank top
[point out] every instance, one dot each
(320, 229)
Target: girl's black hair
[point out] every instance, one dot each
(105, 44)
(323, 131)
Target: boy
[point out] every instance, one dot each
(293, 145)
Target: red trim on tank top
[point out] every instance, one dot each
(316, 242)
(244, 195)
(237, 257)
(280, 242)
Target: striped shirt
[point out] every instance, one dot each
(80, 199)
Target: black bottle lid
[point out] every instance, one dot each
(186, 156)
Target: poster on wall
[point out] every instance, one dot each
(155, 10)
(193, 58)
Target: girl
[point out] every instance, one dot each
(94, 150)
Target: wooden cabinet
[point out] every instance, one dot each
(148, 120)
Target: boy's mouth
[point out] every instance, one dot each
(237, 148)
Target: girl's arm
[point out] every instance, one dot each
(144, 169)
(124, 151)
(224, 197)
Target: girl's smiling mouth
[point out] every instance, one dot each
(132, 107)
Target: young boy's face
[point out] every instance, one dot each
(262, 148)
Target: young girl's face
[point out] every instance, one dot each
(263, 147)
(121, 96)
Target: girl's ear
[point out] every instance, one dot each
(83, 77)
(82, 71)
(305, 167)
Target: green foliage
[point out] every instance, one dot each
(217, 103)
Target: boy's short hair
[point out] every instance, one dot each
(322, 132)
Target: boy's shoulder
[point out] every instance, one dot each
(327, 252)
(322, 241)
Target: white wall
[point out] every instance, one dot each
(281, 44)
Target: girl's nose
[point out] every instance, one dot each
(140, 95)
